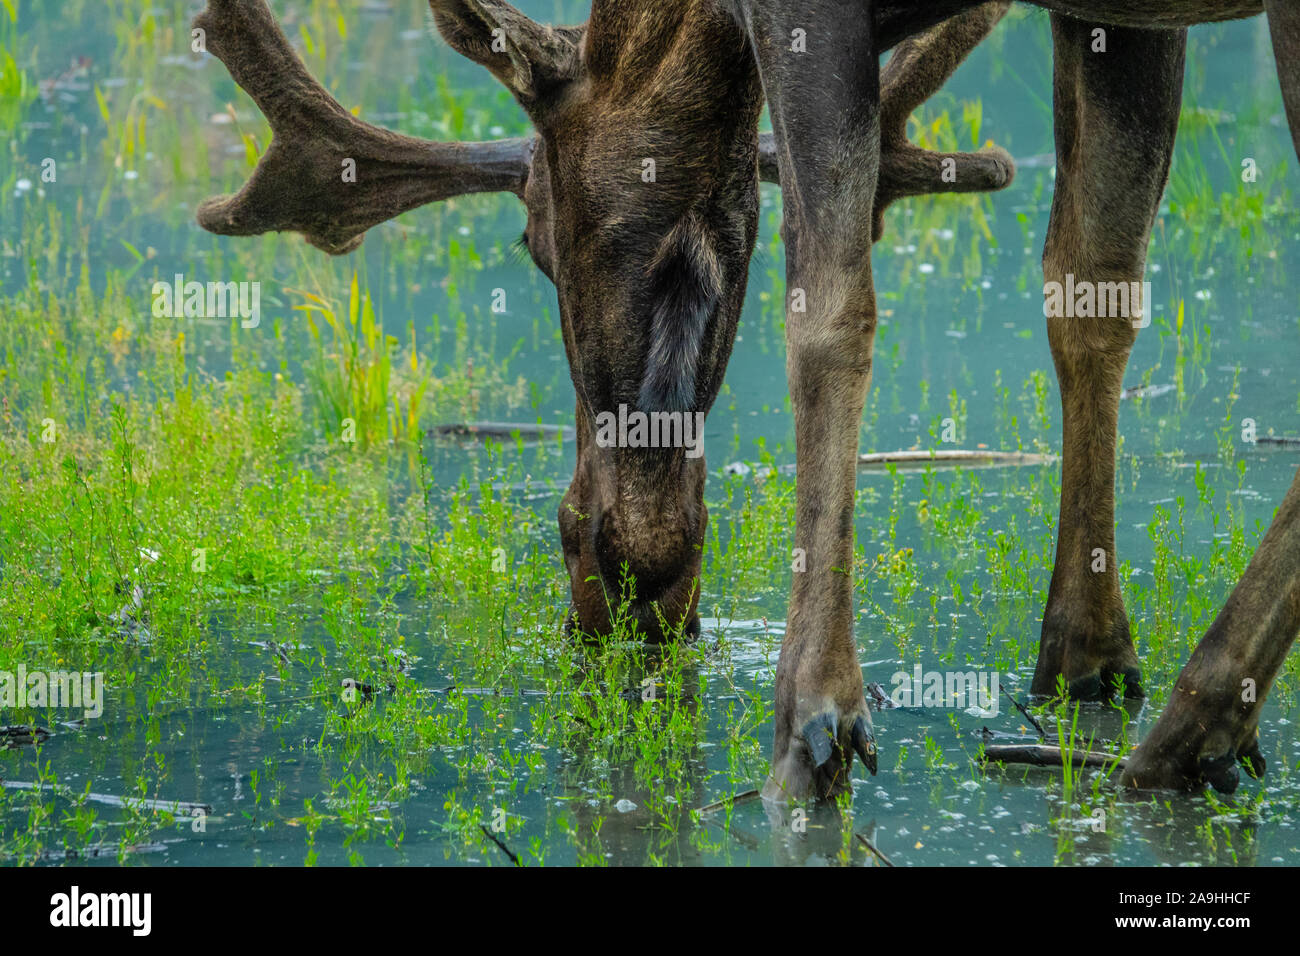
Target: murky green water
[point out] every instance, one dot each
(289, 770)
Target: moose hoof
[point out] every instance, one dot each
(1186, 750)
(1253, 761)
(818, 758)
(1172, 766)
(1100, 685)
(1222, 773)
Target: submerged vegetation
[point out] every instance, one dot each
(331, 633)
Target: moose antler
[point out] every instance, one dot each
(918, 67)
(300, 185)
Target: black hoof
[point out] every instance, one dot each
(1221, 772)
(864, 742)
(821, 734)
(1087, 688)
(1253, 761)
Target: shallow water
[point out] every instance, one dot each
(961, 335)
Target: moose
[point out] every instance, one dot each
(651, 276)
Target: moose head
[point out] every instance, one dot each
(641, 187)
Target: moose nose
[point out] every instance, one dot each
(647, 549)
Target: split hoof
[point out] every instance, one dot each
(1100, 685)
(1221, 772)
(1253, 761)
(822, 736)
(818, 761)
(819, 734)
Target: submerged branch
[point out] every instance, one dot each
(1028, 716)
(738, 798)
(504, 849)
(1046, 755)
(874, 849)
(952, 456)
(179, 808)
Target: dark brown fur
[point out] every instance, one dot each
(1132, 94)
(650, 278)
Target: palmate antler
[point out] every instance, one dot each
(915, 71)
(299, 185)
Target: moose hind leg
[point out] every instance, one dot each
(1116, 117)
(1212, 720)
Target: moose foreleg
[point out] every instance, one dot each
(1212, 719)
(1116, 116)
(327, 174)
(825, 113)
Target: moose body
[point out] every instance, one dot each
(650, 273)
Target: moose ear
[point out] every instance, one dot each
(530, 58)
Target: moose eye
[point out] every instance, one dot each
(519, 248)
(523, 247)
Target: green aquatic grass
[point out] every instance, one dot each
(247, 501)
(277, 561)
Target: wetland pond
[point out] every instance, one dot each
(179, 514)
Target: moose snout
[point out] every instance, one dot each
(637, 554)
